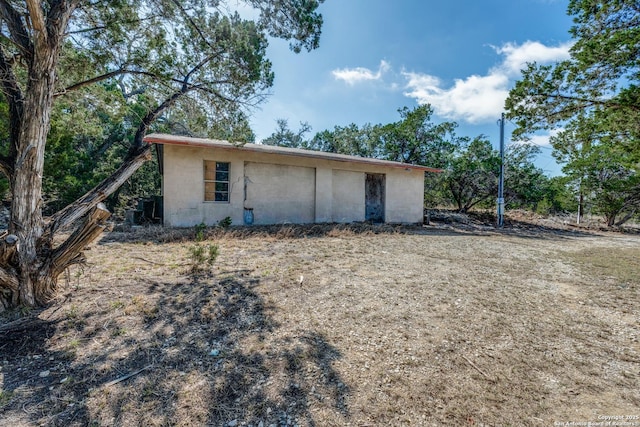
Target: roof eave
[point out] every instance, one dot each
(256, 148)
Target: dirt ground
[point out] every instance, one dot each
(445, 324)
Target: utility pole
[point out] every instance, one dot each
(500, 200)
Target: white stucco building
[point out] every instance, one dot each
(205, 181)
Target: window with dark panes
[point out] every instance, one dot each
(216, 181)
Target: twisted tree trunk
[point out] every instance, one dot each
(30, 278)
(29, 262)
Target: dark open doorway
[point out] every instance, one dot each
(374, 197)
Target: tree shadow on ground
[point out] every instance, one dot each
(204, 351)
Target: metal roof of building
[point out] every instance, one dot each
(156, 138)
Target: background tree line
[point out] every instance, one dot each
(470, 166)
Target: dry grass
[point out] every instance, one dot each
(337, 325)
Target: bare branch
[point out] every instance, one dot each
(8, 248)
(109, 75)
(58, 18)
(199, 66)
(5, 167)
(153, 115)
(104, 27)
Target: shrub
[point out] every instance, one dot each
(225, 223)
(199, 231)
(203, 256)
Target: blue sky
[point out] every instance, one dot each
(376, 56)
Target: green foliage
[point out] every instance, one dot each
(203, 256)
(5, 397)
(94, 126)
(416, 139)
(351, 140)
(199, 230)
(472, 177)
(606, 172)
(87, 143)
(594, 99)
(285, 137)
(559, 197)
(602, 74)
(128, 67)
(234, 128)
(525, 183)
(225, 222)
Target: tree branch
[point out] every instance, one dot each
(138, 154)
(103, 27)
(153, 115)
(37, 18)
(5, 167)
(592, 102)
(60, 12)
(199, 66)
(19, 35)
(193, 24)
(8, 248)
(90, 81)
(120, 72)
(70, 251)
(9, 280)
(99, 193)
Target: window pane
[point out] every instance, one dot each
(216, 181)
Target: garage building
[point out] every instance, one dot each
(205, 181)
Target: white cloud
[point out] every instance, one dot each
(542, 139)
(516, 57)
(351, 76)
(477, 98)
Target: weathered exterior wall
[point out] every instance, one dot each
(280, 193)
(404, 196)
(348, 196)
(303, 189)
(183, 187)
(324, 194)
